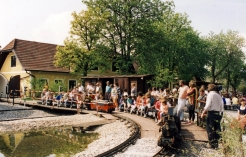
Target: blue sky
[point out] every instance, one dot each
(49, 20)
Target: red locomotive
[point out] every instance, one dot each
(102, 105)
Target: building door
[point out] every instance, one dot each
(14, 85)
(71, 84)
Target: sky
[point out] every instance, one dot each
(48, 21)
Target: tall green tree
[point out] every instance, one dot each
(125, 23)
(225, 50)
(80, 50)
(174, 49)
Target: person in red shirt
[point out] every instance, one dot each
(157, 110)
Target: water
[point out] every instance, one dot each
(58, 142)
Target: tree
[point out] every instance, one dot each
(174, 49)
(224, 49)
(124, 24)
(235, 74)
(80, 52)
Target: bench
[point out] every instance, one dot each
(50, 102)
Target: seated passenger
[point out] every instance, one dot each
(58, 99)
(48, 97)
(43, 97)
(138, 102)
(123, 103)
(148, 104)
(157, 109)
(131, 103)
(65, 98)
(72, 95)
(142, 106)
(163, 110)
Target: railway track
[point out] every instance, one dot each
(123, 146)
(184, 148)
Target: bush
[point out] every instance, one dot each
(231, 137)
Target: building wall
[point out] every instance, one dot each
(52, 76)
(6, 72)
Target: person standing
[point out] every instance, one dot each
(133, 90)
(114, 96)
(183, 89)
(81, 88)
(118, 92)
(214, 108)
(107, 91)
(235, 102)
(192, 98)
(98, 88)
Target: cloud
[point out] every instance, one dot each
(54, 29)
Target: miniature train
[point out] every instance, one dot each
(99, 105)
(170, 130)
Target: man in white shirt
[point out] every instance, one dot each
(80, 88)
(183, 89)
(214, 108)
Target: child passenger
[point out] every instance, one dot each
(123, 103)
(142, 106)
(131, 103)
(163, 109)
(148, 105)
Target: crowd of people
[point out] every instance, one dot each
(156, 102)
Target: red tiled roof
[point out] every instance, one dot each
(10, 46)
(35, 55)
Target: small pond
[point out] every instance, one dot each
(56, 142)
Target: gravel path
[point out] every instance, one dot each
(144, 147)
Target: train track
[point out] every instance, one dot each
(123, 146)
(189, 148)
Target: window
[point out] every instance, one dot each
(44, 80)
(114, 67)
(13, 61)
(58, 81)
